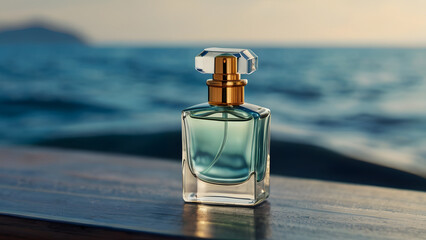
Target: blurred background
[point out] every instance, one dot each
(345, 80)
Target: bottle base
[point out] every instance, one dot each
(216, 200)
(248, 193)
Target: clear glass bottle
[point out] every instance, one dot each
(225, 142)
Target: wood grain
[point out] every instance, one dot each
(67, 194)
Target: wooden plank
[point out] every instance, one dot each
(69, 194)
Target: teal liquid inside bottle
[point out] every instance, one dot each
(225, 145)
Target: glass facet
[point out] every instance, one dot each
(247, 59)
(226, 154)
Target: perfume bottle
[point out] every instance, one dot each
(225, 142)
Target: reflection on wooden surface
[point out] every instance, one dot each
(207, 221)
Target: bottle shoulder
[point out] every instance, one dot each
(262, 111)
(245, 111)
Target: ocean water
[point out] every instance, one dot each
(366, 103)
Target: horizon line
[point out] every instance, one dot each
(254, 44)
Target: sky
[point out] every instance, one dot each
(263, 22)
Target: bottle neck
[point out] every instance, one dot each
(226, 92)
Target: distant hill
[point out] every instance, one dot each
(38, 34)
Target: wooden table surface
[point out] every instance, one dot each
(61, 194)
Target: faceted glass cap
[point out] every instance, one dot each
(247, 60)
